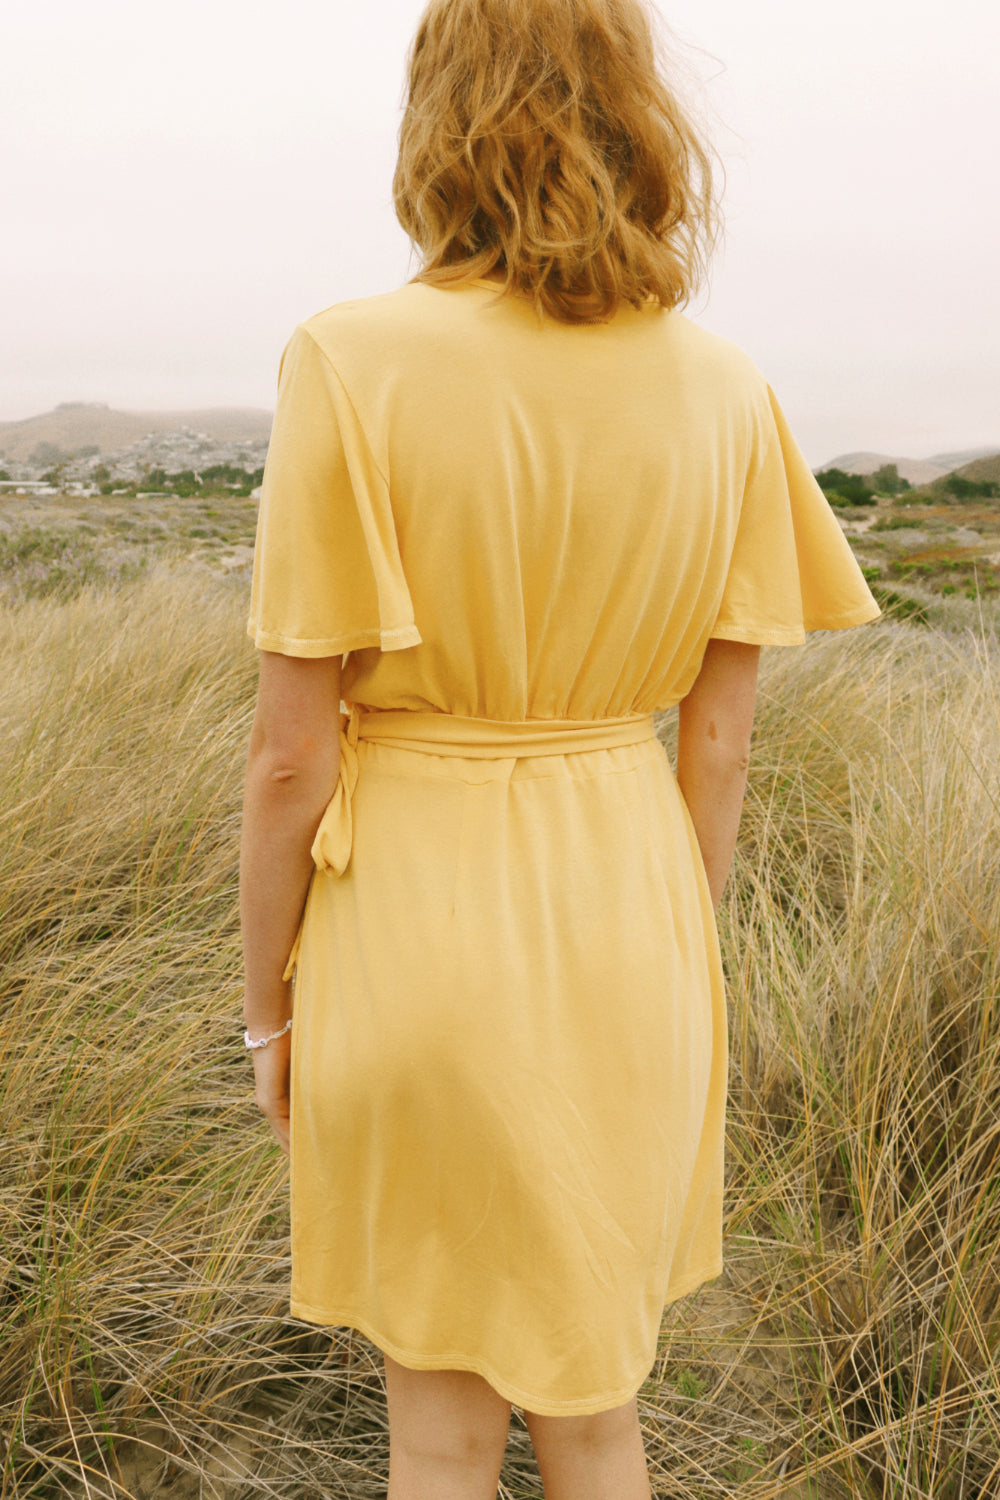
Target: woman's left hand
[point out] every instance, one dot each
(272, 1074)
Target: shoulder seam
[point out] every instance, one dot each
(348, 397)
(760, 393)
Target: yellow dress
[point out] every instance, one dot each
(509, 1053)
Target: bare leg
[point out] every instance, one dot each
(601, 1457)
(447, 1434)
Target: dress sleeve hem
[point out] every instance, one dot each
(754, 635)
(392, 639)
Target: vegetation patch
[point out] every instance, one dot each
(947, 572)
(900, 607)
(952, 489)
(59, 545)
(215, 479)
(895, 523)
(38, 562)
(842, 489)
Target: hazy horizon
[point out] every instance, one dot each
(185, 183)
(973, 450)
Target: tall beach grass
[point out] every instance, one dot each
(851, 1347)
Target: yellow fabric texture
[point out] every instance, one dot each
(509, 1054)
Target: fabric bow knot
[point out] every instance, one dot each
(331, 848)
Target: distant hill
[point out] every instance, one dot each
(916, 470)
(78, 425)
(983, 468)
(967, 456)
(919, 471)
(936, 491)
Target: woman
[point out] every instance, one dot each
(511, 509)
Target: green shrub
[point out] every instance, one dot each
(969, 489)
(900, 606)
(841, 488)
(893, 523)
(888, 481)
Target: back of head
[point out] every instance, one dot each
(540, 137)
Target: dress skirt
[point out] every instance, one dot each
(509, 1054)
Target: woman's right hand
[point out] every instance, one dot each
(272, 1066)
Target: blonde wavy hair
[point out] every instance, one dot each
(541, 137)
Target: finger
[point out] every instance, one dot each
(279, 1124)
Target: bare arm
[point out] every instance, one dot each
(292, 769)
(713, 751)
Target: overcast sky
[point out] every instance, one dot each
(183, 182)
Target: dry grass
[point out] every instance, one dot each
(850, 1349)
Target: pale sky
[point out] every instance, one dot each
(183, 182)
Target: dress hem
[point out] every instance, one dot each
(537, 1405)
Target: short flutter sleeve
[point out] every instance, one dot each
(791, 569)
(327, 573)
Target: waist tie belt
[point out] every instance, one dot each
(451, 734)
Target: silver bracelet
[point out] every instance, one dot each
(265, 1039)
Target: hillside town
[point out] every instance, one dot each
(146, 467)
